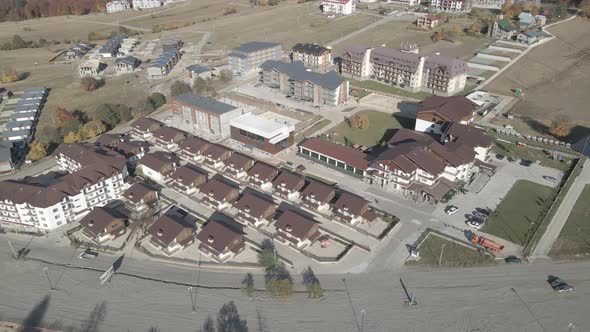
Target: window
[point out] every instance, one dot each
(324, 158)
(349, 168)
(339, 164)
(55, 210)
(315, 155)
(359, 172)
(331, 161)
(305, 152)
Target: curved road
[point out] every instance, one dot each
(503, 298)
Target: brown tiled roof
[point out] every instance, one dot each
(144, 124)
(158, 159)
(410, 156)
(239, 161)
(96, 164)
(193, 144)
(353, 203)
(168, 134)
(468, 135)
(319, 191)
(255, 205)
(288, 180)
(111, 140)
(219, 189)
(217, 235)
(215, 151)
(264, 171)
(349, 156)
(99, 218)
(137, 192)
(293, 223)
(189, 174)
(166, 229)
(449, 65)
(131, 148)
(454, 108)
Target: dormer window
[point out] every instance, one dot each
(289, 228)
(283, 184)
(211, 193)
(312, 195)
(247, 209)
(210, 239)
(91, 223)
(160, 232)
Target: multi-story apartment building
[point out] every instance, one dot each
(405, 2)
(117, 6)
(247, 58)
(451, 6)
(338, 7)
(405, 68)
(295, 80)
(163, 64)
(146, 4)
(92, 177)
(111, 47)
(312, 56)
(490, 4)
(438, 111)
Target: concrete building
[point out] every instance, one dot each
(247, 58)
(92, 177)
(338, 7)
(204, 114)
(219, 241)
(296, 230)
(312, 56)
(127, 64)
(254, 210)
(336, 156)
(405, 68)
(147, 4)
(438, 111)
(163, 64)
(503, 29)
(6, 164)
(531, 37)
(171, 234)
(117, 6)
(526, 20)
(111, 47)
(196, 70)
(92, 67)
(451, 6)
(428, 21)
(103, 224)
(271, 136)
(293, 79)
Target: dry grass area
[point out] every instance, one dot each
(554, 78)
(392, 34)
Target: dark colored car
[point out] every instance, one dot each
(513, 260)
(526, 163)
(510, 159)
(499, 156)
(559, 285)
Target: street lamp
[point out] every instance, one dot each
(363, 319)
(571, 326)
(48, 279)
(190, 293)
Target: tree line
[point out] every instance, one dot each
(27, 9)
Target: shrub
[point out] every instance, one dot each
(72, 137)
(89, 84)
(179, 87)
(358, 121)
(229, 11)
(93, 129)
(9, 75)
(226, 75)
(560, 126)
(37, 151)
(107, 115)
(157, 99)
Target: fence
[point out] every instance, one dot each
(542, 140)
(429, 231)
(322, 259)
(344, 240)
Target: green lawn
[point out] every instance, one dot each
(513, 150)
(526, 203)
(454, 255)
(376, 86)
(574, 239)
(381, 127)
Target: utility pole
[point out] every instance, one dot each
(11, 248)
(48, 279)
(363, 319)
(441, 254)
(190, 293)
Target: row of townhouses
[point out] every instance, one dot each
(405, 68)
(78, 50)
(20, 127)
(163, 64)
(111, 47)
(426, 163)
(90, 177)
(123, 5)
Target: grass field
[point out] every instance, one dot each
(508, 149)
(376, 86)
(454, 255)
(525, 204)
(381, 127)
(573, 241)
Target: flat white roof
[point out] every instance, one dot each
(262, 126)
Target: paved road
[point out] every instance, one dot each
(559, 219)
(478, 299)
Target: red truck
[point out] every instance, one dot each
(486, 243)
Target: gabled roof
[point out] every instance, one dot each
(217, 189)
(454, 108)
(137, 192)
(297, 71)
(349, 156)
(239, 161)
(254, 46)
(167, 228)
(506, 25)
(98, 219)
(130, 60)
(263, 172)
(143, 124)
(216, 151)
(318, 191)
(293, 223)
(196, 68)
(194, 144)
(288, 180)
(205, 103)
(308, 48)
(188, 174)
(168, 133)
(253, 204)
(353, 204)
(217, 235)
(158, 159)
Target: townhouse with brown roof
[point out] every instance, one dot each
(437, 111)
(103, 224)
(219, 241)
(352, 209)
(111, 140)
(405, 68)
(318, 196)
(261, 175)
(140, 197)
(158, 166)
(254, 210)
(144, 128)
(187, 179)
(218, 195)
(238, 165)
(91, 177)
(288, 185)
(133, 150)
(296, 230)
(192, 148)
(168, 137)
(171, 234)
(215, 156)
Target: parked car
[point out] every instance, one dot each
(88, 254)
(480, 216)
(550, 178)
(476, 223)
(559, 285)
(526, 163)
(451, 210)
(513, 260)
(500, 156)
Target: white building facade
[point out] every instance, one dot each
(338, 7)
(117, 6)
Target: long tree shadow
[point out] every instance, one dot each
(35, 317)
(96, 318)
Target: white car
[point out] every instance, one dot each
(477, 224)
(451, 210)
(88, 254)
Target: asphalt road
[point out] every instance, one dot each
(503, 298)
